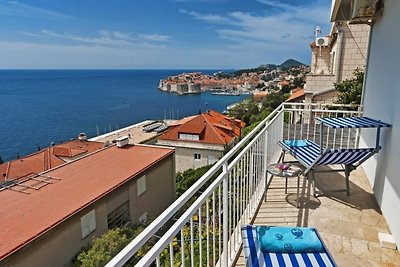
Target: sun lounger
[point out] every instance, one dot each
(256, 257)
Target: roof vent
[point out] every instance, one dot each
(82, 137)
(122, 141)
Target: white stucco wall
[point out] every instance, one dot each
(381, 100)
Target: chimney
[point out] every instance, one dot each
(233, 124)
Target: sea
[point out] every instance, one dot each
(38, 107)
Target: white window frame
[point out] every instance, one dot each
(141, 185)
(88, 223)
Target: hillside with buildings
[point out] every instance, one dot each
(262, 78)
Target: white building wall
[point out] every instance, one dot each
(184, 153)
(381, 100)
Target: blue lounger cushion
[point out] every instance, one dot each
(254, 257)
(288, 239)
(296, 143)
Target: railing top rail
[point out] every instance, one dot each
(322, 104)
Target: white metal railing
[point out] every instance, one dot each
(207, 233)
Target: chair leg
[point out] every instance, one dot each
(286, 185)
(282, 157)
(347, 171)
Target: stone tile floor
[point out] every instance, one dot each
(349, 226)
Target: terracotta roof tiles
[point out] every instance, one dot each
(46, 159)
(213, 128)
(25, 217)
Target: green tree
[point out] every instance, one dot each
(350, 90)
(104, 248)
(273, 100)
(186, 179)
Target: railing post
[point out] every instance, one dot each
(265, 156)
(225, 217)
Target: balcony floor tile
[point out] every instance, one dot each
(348, 225)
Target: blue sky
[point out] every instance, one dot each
(158, 34)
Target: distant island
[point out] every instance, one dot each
(244, 81)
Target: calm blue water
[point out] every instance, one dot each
(43, 106)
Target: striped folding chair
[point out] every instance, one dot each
(254, 257)
(312, 155)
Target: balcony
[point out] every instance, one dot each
(202, 227)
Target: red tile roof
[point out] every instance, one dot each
(258, 96)
(46, 159)
(25, 217)
(213, 128)
(295, 95)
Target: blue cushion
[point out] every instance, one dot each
(296, 143)
(288, 239)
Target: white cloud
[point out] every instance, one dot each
(285, 24)
(155, 37)
(209, 18)
(17, 9)
(36, 55)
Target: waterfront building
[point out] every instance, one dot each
(202, 139)
(334, 58)
(48, 218)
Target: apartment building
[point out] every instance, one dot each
(334, 58)
(49, 217)
(201, 140)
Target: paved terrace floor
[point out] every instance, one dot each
(349, 226)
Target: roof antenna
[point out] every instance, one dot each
(317, 31)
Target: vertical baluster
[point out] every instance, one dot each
(235, 188)
(219, 224)
(158, 261)
(309, 123)
(191, 243)
(334, 133)
(301, 123)
(341, 138)
(208, 230)
(171, 254)
(200, 238)
(225, 220)
(315, 125)
(229, 209)
(295, 124)
(182, 247)
(289, 124)
(213, 226)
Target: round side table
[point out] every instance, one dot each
(285, 171)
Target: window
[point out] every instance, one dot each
(141, 185)
(119, 217)
(197, 156)
(192, 137)
(88, 224)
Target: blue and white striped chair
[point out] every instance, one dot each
(254, 257)
(313, 155)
